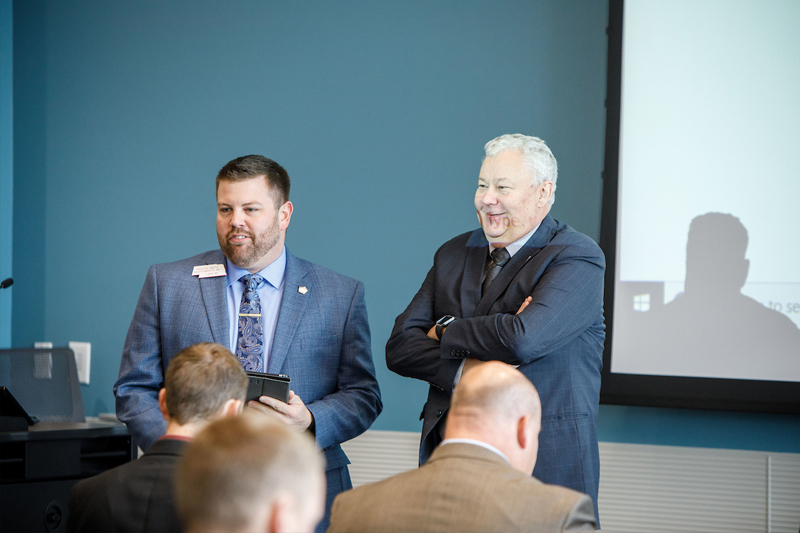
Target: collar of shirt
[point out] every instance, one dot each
(515, 246)
(477, 442)
(273, 272)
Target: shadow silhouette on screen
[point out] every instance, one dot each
(712, 329)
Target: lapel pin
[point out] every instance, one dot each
(302, 289)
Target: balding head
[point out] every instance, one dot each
(496, 404)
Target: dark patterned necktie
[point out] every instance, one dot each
(250, 345)
(500, 257)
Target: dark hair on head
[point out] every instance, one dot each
(200, 379)
(252, 166)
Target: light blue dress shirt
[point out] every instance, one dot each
(270, 294)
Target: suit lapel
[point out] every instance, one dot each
(214, 293)
(293, 306)
(474, 265)
(537, 241)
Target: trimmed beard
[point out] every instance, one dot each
(246, 255)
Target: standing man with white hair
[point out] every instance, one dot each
(523, 289)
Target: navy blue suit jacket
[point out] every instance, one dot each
(322, 342)
(557, 341)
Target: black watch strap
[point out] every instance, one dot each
(442, 323)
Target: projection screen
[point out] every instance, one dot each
(701, 214)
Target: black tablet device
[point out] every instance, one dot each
(272, 385)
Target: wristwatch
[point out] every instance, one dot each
(442, 323)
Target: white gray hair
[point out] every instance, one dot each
(535, 154)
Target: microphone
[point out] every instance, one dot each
(6, 283)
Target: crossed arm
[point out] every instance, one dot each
(563, 302)
(470, 362)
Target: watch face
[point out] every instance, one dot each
(445, 320)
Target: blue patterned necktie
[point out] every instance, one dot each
(250, 345)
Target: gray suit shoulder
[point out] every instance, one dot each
(321, 273)
(205, 258)
(302, 267)
(183, 268)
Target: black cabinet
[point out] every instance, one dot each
(39, 467)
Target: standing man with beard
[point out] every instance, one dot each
(278, 313)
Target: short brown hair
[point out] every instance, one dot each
(237, 464)
(252, 166)
(200, 379)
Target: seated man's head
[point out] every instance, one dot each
(251, 473)
(495, 403)
(203, 382)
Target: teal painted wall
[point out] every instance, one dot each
(379, 111)
(6, 165)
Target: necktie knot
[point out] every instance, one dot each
(500, 256)
(252, 281)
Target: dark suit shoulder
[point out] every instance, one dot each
(162, 452)
(561, 241)
(122, 498)
(565, 232)
(167, 446)
(465, 240)
(457, 247)
(550, 231)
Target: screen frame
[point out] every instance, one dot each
(648, 390)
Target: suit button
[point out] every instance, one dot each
(467, 352)
(453, 352)
(439, 413)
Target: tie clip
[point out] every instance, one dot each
(250, 314)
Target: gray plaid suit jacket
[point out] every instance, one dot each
(322, 342)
